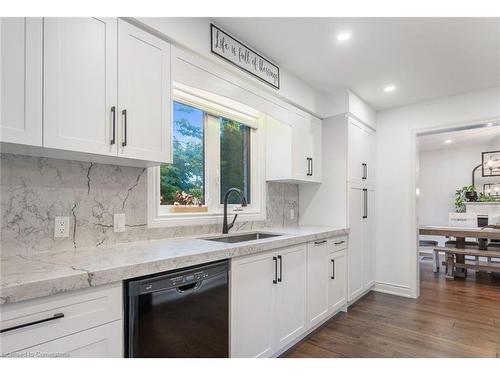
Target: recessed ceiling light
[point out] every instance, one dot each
(389, 88)
(448, 141)
(489, 124)
(342, 37)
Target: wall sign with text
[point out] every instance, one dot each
(243, 57)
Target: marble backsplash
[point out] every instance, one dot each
(35, 190)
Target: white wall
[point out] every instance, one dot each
(396, 238)
(442, 172)
(194, 35)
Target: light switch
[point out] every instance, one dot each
(61, 226)
(119, 222)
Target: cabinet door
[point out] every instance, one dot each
(144, 95)
(302, 147)
(317, 281)
(290, 319)
(361, 149)
(105, 341)
(252, 306)
(279, 150)
(368, 240)
(356, 242)
(21, 76)
(80, 69)
(337, 281)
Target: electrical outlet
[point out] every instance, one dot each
(61, 226)
(119, 222)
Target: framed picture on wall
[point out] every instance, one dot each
(491, 163)
(492, 189)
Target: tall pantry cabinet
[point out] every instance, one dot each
(347, 195)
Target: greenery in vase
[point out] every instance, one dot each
(460, 198)
(488, 198)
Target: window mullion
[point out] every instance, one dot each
(212, 156)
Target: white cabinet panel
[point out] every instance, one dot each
(268, 301)
(80, 84)
(361, 146)
(337, 295)
(144, 94)
(317, 281)
(100, 342)
(21, 81)
(356, 242)
(294, 150)
(252, 306)
(361, 258)
(81, 310)
(290, 320)
(368, 245)
(279, 150)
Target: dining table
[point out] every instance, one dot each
(460, 234)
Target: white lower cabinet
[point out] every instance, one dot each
(337, 285)
(326, 279)
(279, 296)
(252, 305)
(290, 294)
(268, 301)
(83, 323)
(100, 342)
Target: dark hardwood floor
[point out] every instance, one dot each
(459, 318)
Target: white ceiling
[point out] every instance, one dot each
(488, 136)
(425, 58)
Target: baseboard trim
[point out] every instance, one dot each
(308, 332)
(394, 289)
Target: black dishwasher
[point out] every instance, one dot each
(184, 313)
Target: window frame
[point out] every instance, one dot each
(160, 215)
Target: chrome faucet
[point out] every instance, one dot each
(225, 225)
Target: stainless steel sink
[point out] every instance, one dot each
(243, 237)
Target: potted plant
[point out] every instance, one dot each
(465, 194)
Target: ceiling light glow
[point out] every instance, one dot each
(389, 88)
(342, 37)
(448, 141)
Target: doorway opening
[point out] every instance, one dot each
(457, 185)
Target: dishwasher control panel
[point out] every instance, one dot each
(175, 279)
(191, 278)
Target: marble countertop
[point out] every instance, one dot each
(24, 278)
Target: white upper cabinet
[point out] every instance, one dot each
(294, 150)
(361, 146)
(97, 86)
(144, 94)
(21, 81)
(80, 89)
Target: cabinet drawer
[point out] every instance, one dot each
(100, 342)
(339, 244)
(45, 319)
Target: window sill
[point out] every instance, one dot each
(206, 218)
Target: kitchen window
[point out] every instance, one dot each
(215, 146)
